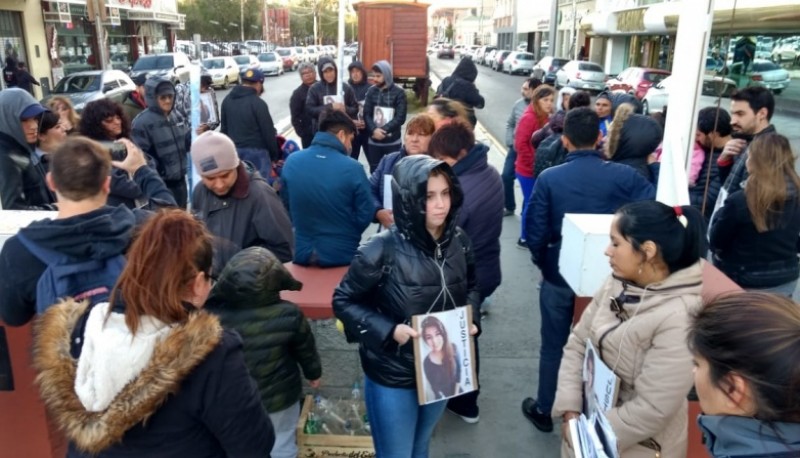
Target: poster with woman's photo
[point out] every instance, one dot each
(600, 384)
(331, 99)
(382, 115)
(444, 355)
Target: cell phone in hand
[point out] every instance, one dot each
(117, 150)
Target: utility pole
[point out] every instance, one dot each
(100, 32)
(340, 50)
(551, 50)
(241, 18)
(574, 40)
(316, 19)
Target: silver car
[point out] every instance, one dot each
(581, 75)
(85, 87)
(657, 96)
(270, 63)
(518, 62)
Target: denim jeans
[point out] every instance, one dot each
(508, 179)
(285, 424)
(557, 305)
(259, 158)
(401, 428)
(786, 289)
(527, 188)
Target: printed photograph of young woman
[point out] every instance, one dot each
(441, 366)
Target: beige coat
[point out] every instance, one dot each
(648, 352)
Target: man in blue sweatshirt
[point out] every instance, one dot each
(328, 195)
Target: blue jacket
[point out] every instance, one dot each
(741, 437)
(585, 183)
(385, 167)
(328, 196)
(481, 215)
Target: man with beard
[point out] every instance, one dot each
(751, 112)
(382, 98)
(235, 202)
(301, 120)
(713, 133)
(328, 195)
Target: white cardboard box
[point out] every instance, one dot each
(12, 220)
(582, 262)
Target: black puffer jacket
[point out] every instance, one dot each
(276, 334)
(159, 137)
(389, 96)
(414, 283)
(460, 85)
(315, 101)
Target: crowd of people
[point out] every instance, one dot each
(175, 341)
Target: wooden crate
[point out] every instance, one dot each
(330, 445)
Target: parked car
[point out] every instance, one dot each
(518, 62)
(351, 49)
(446, 52)
(481, 53)
(760, 72)
(468, 52)
(636, 80)
(547, 67)
(84, 87)
(173, 66)
(787, 51)
(271, 63)
(223, 70)
(245, 61)
(302, 55)
(289, 57)
(489, 57)
(581, 75)
(313, 54)
(656, 97)
(522, 47)
(499, 57)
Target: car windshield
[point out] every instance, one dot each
(153, 63)
(213, 64)
(558, 63)
(524, 56)
(78, 83)
(655, 78)
(242, 60)
(765, 67)
(282, 52)
(587, 67)
(266, 57)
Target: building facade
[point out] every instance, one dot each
(23, 38)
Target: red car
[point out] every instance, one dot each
(636, 80)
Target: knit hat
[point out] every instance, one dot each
(214, 152)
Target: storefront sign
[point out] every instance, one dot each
(112, 17)
(543, 24)
(631, 20)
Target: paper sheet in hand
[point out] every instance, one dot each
(387, 192)
(600, 384)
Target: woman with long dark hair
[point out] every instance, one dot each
(151, 373)
(442, 370)
(104, 120)
(424, 263)
(746, 350)
(754, 236)
(638, 323)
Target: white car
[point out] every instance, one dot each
(581, 75)
(245, 61)
(270, 63)
(656, 98)
(313, 54)
(518, 62)
(223, 70)
(302, 55)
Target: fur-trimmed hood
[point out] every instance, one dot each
(181, 349)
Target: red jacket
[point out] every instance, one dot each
(526, 153)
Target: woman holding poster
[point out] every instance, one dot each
(423, 264)
(638, 324)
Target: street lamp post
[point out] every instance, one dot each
(233, 24)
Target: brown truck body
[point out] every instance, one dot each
(395, 31)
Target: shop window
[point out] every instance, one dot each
(11, 38)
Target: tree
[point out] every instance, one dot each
(449, 32)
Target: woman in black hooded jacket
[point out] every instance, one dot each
(424, 263)
(460, 85)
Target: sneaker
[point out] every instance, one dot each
(508, 212)
(471, 419)
(521, 244)
(542, 421)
